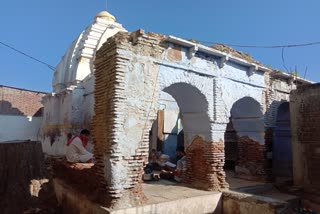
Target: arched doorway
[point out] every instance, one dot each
(193, 107)
(204, 158)
(281, 145)
(244, 139)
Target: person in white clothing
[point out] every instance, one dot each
(76, 151)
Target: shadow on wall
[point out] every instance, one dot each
(39, 113)
(7, 108)
(250, 137)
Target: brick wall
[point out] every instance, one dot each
(252, 159)
(14, 101)
(305, 124)
(205, 161)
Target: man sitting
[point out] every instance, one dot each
(179, 174)
(172, 171)
(76, 151)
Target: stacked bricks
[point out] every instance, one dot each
(105, 112)
(120, 174)
(268, 146)
(305, 102)
(205, 161)
(252, 156)
(14, 101)
(305, 117)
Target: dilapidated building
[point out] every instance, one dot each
(231, 107)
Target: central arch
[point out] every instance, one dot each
(205, 158)
(244, 139)
(193, 107)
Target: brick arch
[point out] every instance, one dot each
(281, 143)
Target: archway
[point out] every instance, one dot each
(193, 107)
(281, 145)
(244, 139)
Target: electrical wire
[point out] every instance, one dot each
(266, 46)
(27, 55)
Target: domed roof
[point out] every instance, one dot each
(77, 62)
(105, 15)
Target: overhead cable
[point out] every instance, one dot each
(266, 46)
(27, 55)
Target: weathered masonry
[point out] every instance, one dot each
(70, 106)
(234, 110)
(211, 88)
(305, 117)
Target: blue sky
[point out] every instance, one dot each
(45, 29)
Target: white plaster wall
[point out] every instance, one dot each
(19, 128)
(222, 87)
(77, 63)
(55, 124)
(139, 87)
(71, 108)
(196, 111)
(88, 101)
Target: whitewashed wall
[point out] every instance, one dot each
(19, 128)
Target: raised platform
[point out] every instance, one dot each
(75, 190)
(162, 197)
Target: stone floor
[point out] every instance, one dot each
(236, 183)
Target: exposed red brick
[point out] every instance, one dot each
(252, 157)
(174, 54)
(205, 161)
(14, 101)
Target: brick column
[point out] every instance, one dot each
(205, 161)
(124, 108)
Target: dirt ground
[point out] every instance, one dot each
(25, 185)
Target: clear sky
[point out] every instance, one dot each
(45, 29)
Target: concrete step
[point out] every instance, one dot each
(162, 197)
(256, 189)
(269, 191)
(210, 203)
